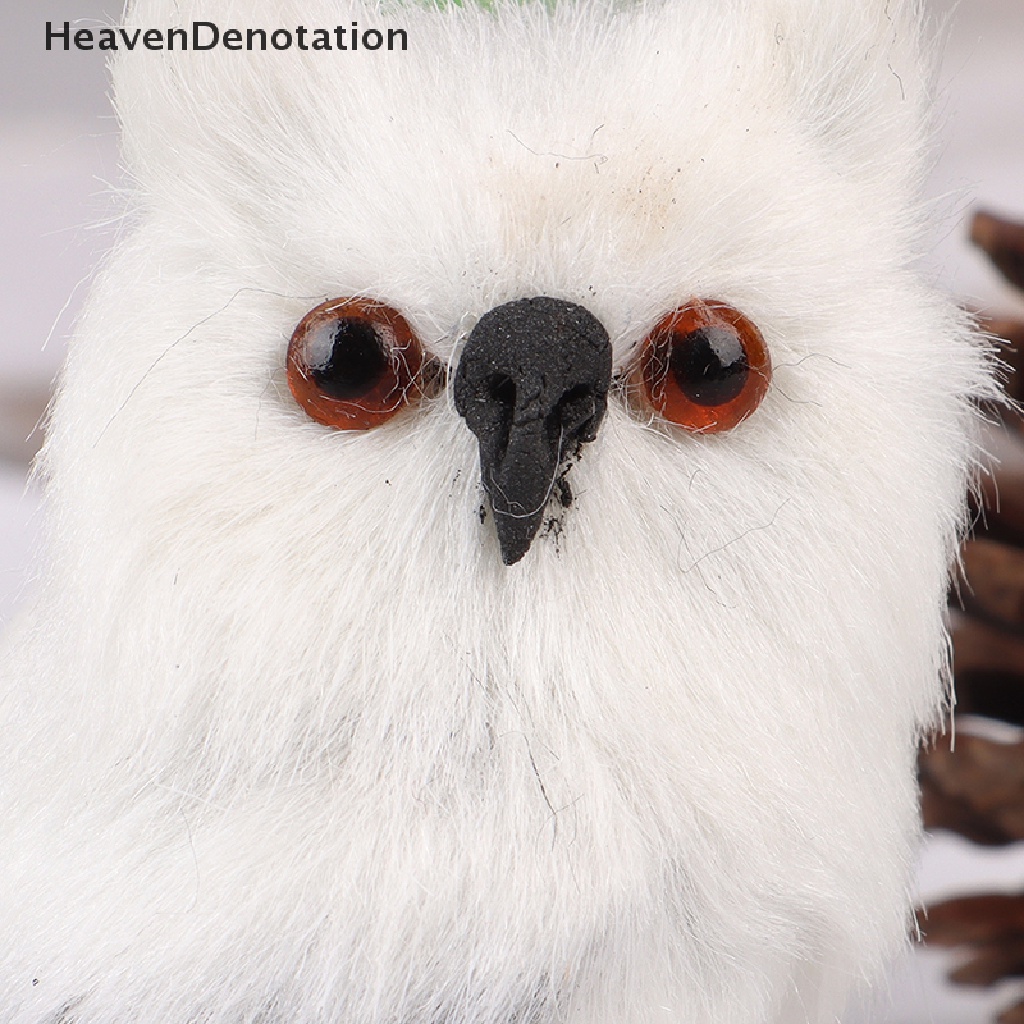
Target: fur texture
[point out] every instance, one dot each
(285, 742)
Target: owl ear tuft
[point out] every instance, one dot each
(862, 78)
(190, 117)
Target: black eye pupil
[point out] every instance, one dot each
(709, 365)
(356, 360)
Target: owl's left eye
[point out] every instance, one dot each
(353, 363)
(704, 367)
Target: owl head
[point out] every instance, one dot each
(565, 373)
(548, 314)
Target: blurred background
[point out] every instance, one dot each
(58, 170)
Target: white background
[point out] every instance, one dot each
(58, 162)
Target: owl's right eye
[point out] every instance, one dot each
(353, 363)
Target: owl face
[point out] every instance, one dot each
(687, 157)
(565, 377)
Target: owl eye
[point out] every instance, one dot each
(705, 367)
(353, 363)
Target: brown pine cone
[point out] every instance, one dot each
(976, 787)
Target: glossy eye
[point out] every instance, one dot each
(353, 363)
(705, 367)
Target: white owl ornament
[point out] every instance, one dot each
(501, 496)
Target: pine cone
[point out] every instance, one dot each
(976, 788)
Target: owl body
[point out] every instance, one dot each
(287, 741)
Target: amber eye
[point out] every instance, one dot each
(705, 366)
(353, 363)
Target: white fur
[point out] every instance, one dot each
(285, 743)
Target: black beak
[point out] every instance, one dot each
(532, 385)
